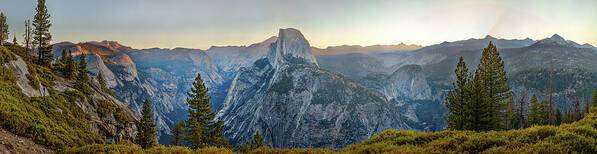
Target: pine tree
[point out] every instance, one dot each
(14, 40)
(82, 65)
(549, 99)
(60, 63)
(178, 133)
(41, 34)
(83, 79)
(70, 66)
(203, 130)
(256, 142)
(594, 98)
(492, 91)
(27, 35)
(536, 113)
(577, 110)
(146, 137)
(512, 120)
(458, 97)
(102, 82)
(558, 116)
(3, 29)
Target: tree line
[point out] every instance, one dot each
(483, 101)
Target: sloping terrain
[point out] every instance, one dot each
(62, 117)
(577, 137)
(11, 143)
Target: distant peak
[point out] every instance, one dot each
(557, 37)
(291, 46)
(489, 37)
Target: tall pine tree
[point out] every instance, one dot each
(146, 137)
(203, 130)
(41, 34)
(458, 97)
(3, 29)
(492, 90)
(178, 133)
(70, 66)
(536, 114)
(83, 79)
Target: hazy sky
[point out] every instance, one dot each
(203, 23)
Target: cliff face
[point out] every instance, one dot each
(294, 103)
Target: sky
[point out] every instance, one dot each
(205, 23)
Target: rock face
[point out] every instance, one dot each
(292, 47)
(294, 103)
(113, 125)
(407, 83)
(21, 71)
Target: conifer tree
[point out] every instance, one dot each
(146, 137)
(102, 82)
(511, 119)
(60, 63)
(458, 97)
(41, 34)
(536, 113)
(549, 99)
(594, 98)
(27, 35)
(256, 142)
(70, 66)
(14, 40)
(178, 133)
(3, 29)
(558, 116)
(577, 110)
(203, 130)
(493, 91)
(83, 79)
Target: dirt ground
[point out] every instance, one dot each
(13, 144)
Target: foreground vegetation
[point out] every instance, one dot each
(577, 137)
(50, 120)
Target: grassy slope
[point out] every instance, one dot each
(50, 120)
(579, 136)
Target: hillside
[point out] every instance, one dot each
(37, 103)
(577, 137)
(11, 143)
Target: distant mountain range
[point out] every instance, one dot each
(300, 96)
(345, 49)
